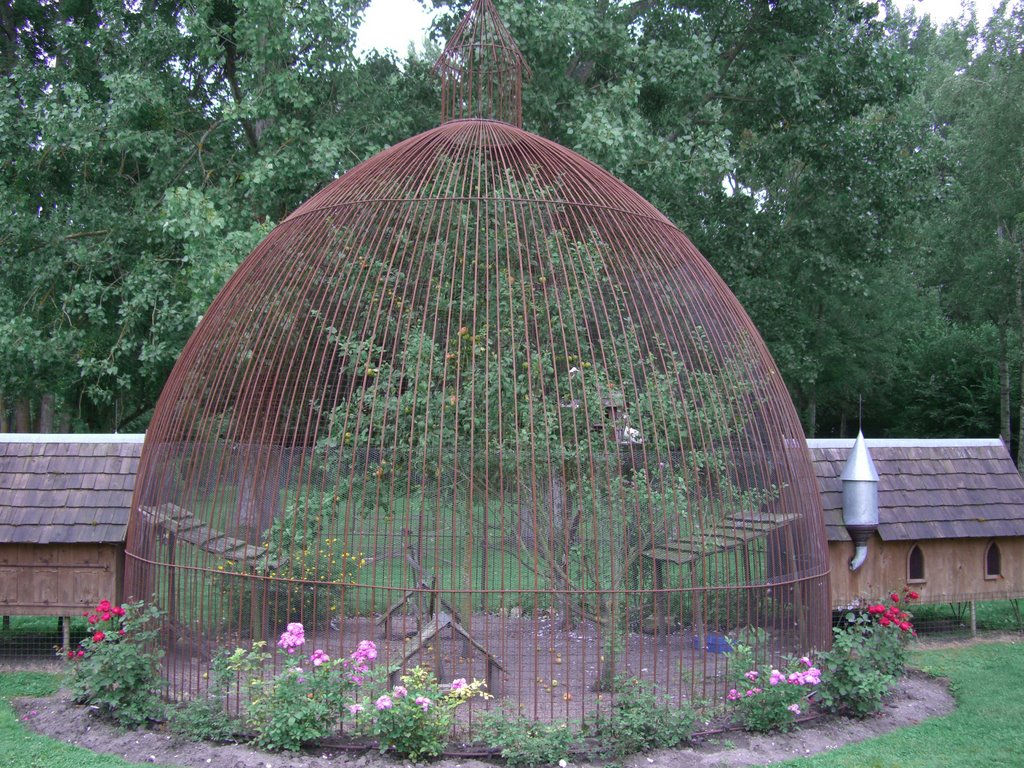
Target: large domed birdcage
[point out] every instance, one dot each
(480, 402)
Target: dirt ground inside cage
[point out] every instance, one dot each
(917, 698)
(546, 672)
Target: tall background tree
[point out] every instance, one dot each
(976, 253)
(148, 147)
(853, 173)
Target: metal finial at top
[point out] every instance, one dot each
(859, 465)
(482, 69)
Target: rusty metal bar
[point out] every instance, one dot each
(481, 396)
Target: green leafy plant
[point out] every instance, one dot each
(523, 741)
(769, 699)
(305, 701)
(315, 567)
(750, 636)
(116, 668)
(867, 658)
(205, 718)
(413, 718)
(641, 721)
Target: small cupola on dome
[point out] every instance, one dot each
(860, 499)
(480, 402)
(482, 69)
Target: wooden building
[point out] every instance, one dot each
(951, 521)
(64, 503)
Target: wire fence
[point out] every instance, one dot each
(38, 640)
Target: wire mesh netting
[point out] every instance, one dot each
(38, 640)
(479, 401)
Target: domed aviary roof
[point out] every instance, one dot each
(479, 396)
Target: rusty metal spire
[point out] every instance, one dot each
(482, 69)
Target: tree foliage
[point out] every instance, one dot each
(149, 147)
(853, 173)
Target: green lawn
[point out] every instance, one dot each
(20, 748)
(984, 730)
(991, 616)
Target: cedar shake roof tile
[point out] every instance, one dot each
(78, 488)
(66, 489)
(928, 489)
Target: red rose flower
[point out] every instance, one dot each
(117, 610)
(98, 637)
(884, 621)
(93, 618)
(912, 595)
(104, 606)
(894, 597)
(81, 654)
(905, 626)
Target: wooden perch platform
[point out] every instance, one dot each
(180, 525)
(734, 532)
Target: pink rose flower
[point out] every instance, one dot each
(365, 651)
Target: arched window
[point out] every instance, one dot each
(915, 565)
(993, 561)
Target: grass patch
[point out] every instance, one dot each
(37, 635)
(991, 615)
(20, 748)
(984, 729)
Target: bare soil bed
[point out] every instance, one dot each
(918, 697)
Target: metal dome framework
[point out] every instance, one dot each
(479, 401)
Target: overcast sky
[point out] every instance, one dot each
(395, 23)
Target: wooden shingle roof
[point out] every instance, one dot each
(66, 489)
(928, 489)
(78, 488)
